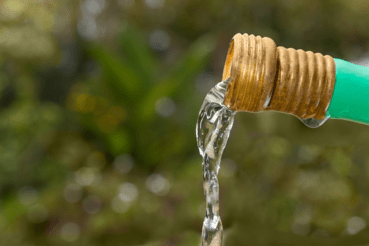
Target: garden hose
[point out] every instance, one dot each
(308, 85)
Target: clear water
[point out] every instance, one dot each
(314, 123)
(213, 127)
(212, 131)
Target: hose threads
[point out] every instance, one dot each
(266, 77)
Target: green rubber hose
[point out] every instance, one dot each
(350, 100)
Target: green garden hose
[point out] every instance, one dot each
(308, 85)
(350, 100)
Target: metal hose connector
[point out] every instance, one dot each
(265, 77)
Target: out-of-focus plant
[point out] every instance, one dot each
(145, 91)
(98, 104)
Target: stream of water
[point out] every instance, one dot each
(213, 127)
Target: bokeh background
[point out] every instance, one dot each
(98, 105)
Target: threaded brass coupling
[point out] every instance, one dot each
(263, 76)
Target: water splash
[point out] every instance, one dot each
(213, 127)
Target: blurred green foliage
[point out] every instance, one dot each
(98, 105)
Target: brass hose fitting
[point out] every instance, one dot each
(265, 77)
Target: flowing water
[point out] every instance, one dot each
(212, 131)
(213, 127)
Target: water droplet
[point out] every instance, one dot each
(313, 123)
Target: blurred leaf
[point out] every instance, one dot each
(124, 81)
(137, 53)
(119, 141)
(187, 68)
(12, 210)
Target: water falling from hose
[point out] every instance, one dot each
(213, 127)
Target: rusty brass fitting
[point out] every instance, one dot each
(263, 76)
